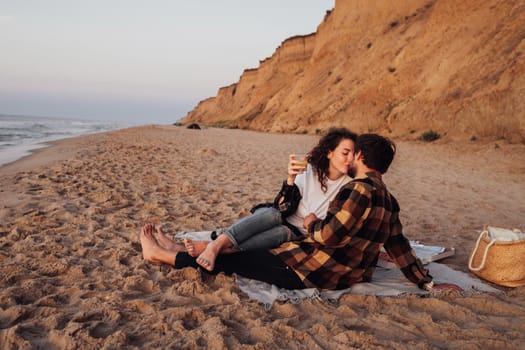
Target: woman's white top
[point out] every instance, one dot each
(314, 200)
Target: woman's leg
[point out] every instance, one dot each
(268, 239)
(259, 265)
(261, 220)
(207, 252)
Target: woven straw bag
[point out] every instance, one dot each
(498, 258)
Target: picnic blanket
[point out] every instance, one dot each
(387, 281)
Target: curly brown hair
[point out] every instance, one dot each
(318, 156)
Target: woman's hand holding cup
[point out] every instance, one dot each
(296, 165)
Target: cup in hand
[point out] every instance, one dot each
(299, 161)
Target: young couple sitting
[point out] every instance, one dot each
(325, 228)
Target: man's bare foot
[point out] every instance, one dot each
(152, 251)
(195, 248)
(149, 245)
(167, 243)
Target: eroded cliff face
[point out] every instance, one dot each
(394, 67)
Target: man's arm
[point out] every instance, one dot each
(345, 216)
(398, 247)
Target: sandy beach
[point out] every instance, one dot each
(72, 274)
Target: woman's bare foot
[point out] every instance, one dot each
(195, 248)
(167, 243)
(207, 258)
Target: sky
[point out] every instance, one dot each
(134, 61)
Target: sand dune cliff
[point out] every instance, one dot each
(399, 68)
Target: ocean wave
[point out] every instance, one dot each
(18, 131)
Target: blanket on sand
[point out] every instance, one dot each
(387, 281)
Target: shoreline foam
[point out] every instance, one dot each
(20, 135)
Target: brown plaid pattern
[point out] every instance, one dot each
(343, 249)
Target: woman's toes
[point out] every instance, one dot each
(205, 264)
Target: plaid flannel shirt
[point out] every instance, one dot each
(343, 249)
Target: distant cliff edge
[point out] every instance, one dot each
(395, 67)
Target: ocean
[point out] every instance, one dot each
(19, 135)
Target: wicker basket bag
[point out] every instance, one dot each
(499, 257)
